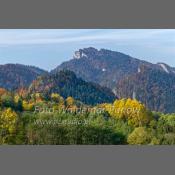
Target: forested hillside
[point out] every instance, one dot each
(154, 88)
(14, 76)
(67, 84)
(33, 119)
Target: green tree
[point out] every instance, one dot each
(139, 137)
(7, 100)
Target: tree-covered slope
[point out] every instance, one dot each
(67, 84)
(14, 76)
(153, 87)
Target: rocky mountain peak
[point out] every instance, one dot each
(85, 53)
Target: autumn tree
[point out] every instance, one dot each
(2, 91)
(139, 137)
(70, 101)
(129, 110)
(18, 102)
(8, 122)
(27, 106)
(59, 100)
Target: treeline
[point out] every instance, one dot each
(125, 121)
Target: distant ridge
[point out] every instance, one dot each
(13, 76)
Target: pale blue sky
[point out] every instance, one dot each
(47, 48)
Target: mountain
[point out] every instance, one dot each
(127, 77)
(13, 76)
(115, 72)
(67, 84)
(104, 67)
(152, 86)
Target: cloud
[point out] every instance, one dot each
(57, 45)
(50, 36)
(152, 40)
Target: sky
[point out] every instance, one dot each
(47, 48)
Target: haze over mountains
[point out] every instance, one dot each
(127, 77)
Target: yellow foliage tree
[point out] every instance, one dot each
(70, 101)
(27, 106)
(55, 97)
(131, 110)
(58, 99)
(61, 103)
(16, 98)
(38, 97)
(8, 120)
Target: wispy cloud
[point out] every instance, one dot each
(21, 37)
(54, 46)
